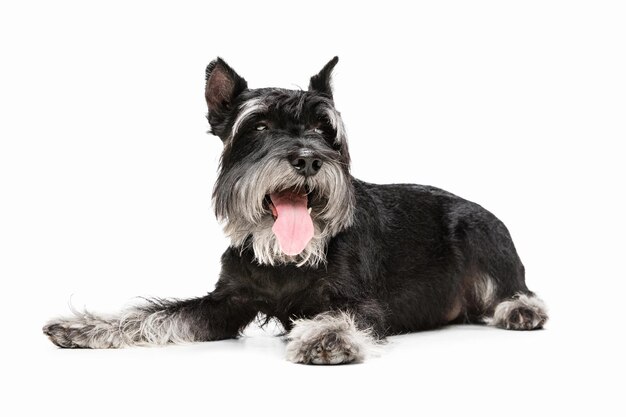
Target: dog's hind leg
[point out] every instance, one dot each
(504, 307)
(494, 278)
(155, 322)
(520, 312)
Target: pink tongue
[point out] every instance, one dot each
(293, 226)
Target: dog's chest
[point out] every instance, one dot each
(284, 292)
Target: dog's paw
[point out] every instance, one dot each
(325, 349)
(83, 331)
(521, 313)
(329, 339)
(59, 334)
(524, 318)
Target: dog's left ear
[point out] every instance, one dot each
(321, 81)
(223, 85)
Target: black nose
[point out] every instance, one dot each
(306, 163)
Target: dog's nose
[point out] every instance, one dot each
(306, 163)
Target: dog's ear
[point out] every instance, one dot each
(321, 81)
(223, 85)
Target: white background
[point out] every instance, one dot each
(106, 173)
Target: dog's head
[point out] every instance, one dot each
(284, 186)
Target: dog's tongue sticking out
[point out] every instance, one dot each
(293, 226)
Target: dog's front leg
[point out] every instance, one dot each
(155, 322)
(332, 338)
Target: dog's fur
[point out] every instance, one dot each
(383, 260)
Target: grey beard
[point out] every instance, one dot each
(239, 196)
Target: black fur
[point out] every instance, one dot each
(402, 258)
(320, 83)
(411, 252)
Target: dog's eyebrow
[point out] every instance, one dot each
(335, 121)
(247, 109)
(325, 109)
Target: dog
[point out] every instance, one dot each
(340, 263)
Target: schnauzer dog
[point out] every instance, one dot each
(340, 263)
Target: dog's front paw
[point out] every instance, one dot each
(84, 331)
(61, 335)
(329, 339)
(324, 349)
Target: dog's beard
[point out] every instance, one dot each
(241, 199)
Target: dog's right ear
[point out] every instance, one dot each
(223, 85)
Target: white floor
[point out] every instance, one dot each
(468, 370)
(105, 193)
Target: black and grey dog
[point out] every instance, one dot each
(340, 263)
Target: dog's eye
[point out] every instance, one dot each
(260, 126)
(318, 131)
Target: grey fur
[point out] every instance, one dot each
(335, 120)
(329, 339)
(485, 291)
(149, 324)
(239, 204)
(247, 109)
(523, 312)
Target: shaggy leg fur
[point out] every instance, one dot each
(329, 339)
(85, 330)
(152, 324)
(158, 322)
(522, 312)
